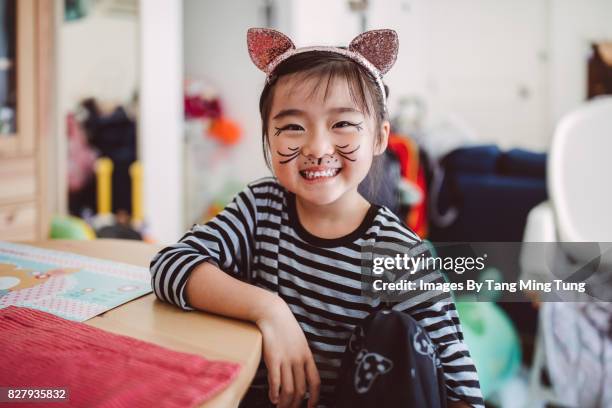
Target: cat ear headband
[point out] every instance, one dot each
(375, 50)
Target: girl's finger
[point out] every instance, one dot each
(274, 382)
(287, 389)
(314, 382)
(299, 381)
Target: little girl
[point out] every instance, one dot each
(286, 253)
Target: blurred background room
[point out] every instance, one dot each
(136, 119)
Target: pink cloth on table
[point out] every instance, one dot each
(99, 368)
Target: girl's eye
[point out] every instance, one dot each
(345, 124)
(291, 126)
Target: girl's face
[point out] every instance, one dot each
(321, 146)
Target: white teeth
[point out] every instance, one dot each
(317, 174)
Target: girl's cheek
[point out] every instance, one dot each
(366, 154)
(363, 160)
(350, 138)
(283, 143)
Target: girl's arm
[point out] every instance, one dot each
(226, 240)
(209, 288)
(206, 270)
(291, 367)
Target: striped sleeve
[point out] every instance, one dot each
(226, 241)
(441, 321)
(436, 313)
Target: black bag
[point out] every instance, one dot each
(391, 362)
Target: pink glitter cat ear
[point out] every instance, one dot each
(265, 45)
(380, 47)
(375, 51)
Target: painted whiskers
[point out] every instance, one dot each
(344, 151)
(295, 153)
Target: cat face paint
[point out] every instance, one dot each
(322, 144)
(347, 151)
(343, 151)
(294, 154)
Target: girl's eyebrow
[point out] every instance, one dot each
(288, 112)
(297, 112)
(344, 110)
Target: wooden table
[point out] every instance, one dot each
(149, 319)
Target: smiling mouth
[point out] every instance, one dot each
(320, 174)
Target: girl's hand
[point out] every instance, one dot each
(291, 367)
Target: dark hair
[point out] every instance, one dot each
(327, 67)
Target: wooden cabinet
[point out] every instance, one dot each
(26, 52)
(18, 221)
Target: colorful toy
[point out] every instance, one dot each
(69, 227)
(202, 102)
(225, 131)
(105, 224)
(493, 342)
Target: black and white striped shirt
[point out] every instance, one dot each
(258, 238)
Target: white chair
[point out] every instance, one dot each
(579, 172)
(579, 187)
(579, 210)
